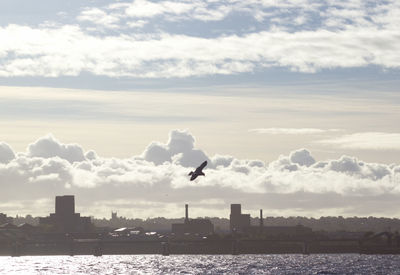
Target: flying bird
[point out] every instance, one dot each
(198, 171)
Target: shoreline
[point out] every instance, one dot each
(99, 247)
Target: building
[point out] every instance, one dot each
(277, 232)
(4, 219)
(280, 232)
(65, 219)
(193, 226)
(238, 221)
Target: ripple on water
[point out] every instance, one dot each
(203, 264)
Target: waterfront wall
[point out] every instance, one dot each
(234, 247)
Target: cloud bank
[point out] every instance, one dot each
(141, 39)
(296, 183)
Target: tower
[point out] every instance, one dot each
(238, 221)
(65, 205)
(186, 213)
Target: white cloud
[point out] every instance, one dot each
(179, 149)
(366, 141)
(343, 36)
(99, 17)
(302, 157)
(143, 8)
(6, 153)
(48, 146)
(291, 131)
(282, 184)
(69, 51)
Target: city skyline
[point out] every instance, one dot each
(293, 103)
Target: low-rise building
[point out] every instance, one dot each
(193, 226)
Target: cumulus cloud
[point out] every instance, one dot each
(294, 182)
(6, 153)
(179, 149)
(302, 157)
(48, 146)
(366, 141)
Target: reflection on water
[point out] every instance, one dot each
(203, 264)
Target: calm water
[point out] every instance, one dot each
(189, 264)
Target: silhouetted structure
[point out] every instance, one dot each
(65, 219)
(186, 213)
(193, 226)
(238, 221)
(4, 219)
(286, 232)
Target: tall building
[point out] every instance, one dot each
(65, 219)
(193, 226)
(238, 221)
(65, 205)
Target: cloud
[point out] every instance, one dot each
(143, 8)
(179, 149)
(291, 15)
(321, 37)
(99, 17)
(366, 141)
(6, 153)
(294, 182)
(302, 157)
(48, 146)
(291, 131)
(183, 56)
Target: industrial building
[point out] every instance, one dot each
(193, 226)
(65, 219)
(238, 221)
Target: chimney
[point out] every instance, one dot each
(186, 213)
(261, 219)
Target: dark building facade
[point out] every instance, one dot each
(277, 232)
(193, 226)
(241, 223)
(4, 219)
(238, 221)
(65, 219)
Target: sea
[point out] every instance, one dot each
(203, 264)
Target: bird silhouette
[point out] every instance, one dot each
(198, 171)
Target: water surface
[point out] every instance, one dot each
(203, 264)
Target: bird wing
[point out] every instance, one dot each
(204, 164)
(191, 173)
(200, 168)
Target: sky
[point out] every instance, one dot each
(294, 103)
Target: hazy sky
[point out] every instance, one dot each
(295, 103)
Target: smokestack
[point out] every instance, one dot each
(186, 212)
(261, 219)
